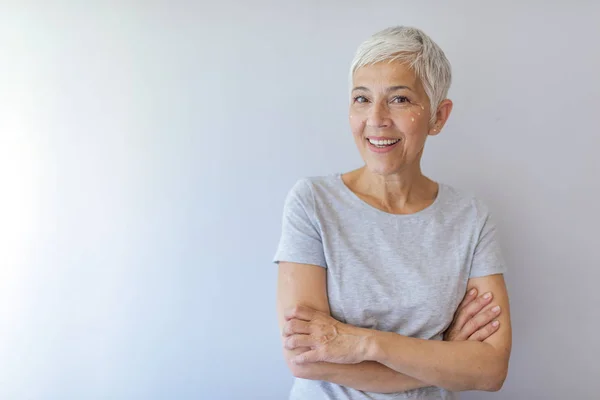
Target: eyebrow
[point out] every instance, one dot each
(390, 89)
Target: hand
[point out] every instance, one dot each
(326, 338)
(470, 323)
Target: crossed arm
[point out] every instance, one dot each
(316, 346)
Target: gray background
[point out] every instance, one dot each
(146, 149)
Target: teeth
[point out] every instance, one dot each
(386, 142)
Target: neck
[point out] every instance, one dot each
(404, 192)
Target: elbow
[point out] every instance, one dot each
(495, 381)
(305, 371)
(302, 372)
(493, 371)
(488, 377)
(494, 385)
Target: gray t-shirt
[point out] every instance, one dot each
(397, 273)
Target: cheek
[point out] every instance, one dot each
(411, 120)
(411, 116)
(409, 124)
(357, 124)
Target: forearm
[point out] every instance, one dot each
(456, 366)
(368, 376)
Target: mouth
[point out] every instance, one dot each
(382, 145)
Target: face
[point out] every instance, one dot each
(390, 117)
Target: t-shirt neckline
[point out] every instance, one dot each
(363, 204)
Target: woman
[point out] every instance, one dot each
(374, 263)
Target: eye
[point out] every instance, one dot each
(360, 99)
(400, 99)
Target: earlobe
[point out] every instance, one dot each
(442, 114)
(435, 130)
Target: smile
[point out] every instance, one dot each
(383, 142)
(382, 145)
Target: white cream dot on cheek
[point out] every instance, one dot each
(412, 119)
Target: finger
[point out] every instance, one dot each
(307, 357)
(300, 312)
(471, 309)
(452, 331)
(486, 331)
(479, 321)
(295, 341)
(469, 297)
(295, 326)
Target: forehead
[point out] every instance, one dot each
(386, 74)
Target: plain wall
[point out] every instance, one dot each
(146, 149)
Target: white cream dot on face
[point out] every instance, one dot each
(412, 119)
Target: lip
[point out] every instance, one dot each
(387, 149)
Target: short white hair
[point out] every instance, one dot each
(413, 47)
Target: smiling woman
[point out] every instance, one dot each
(374, 263)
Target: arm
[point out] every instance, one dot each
(305, 285)
(456, 366)
(465, 365)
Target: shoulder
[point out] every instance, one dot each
(308, 188)
(459, 199)
(318, 196)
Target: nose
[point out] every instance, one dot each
(379, 116)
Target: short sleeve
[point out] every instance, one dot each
(487, 257)
(300, 240)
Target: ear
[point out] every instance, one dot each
(441, 116)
